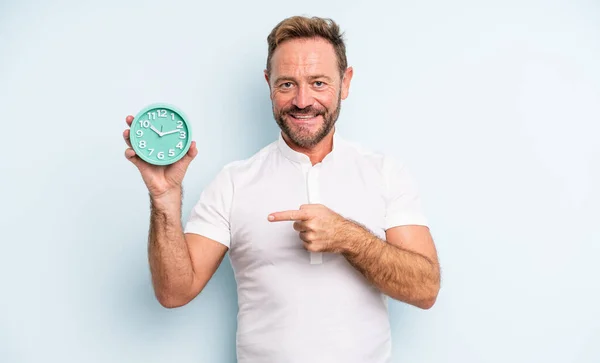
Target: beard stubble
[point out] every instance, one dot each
(300, 135)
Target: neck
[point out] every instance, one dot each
(316, 153)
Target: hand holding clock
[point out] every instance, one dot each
(160, 180)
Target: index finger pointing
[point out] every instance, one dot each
(288, 215)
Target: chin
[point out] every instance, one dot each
(303, 137)
(304, 132)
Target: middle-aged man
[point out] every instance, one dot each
(320, 231)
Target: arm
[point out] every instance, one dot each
(405, 267)
(180, 264)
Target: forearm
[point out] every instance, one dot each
(398, 273)
(169, 258)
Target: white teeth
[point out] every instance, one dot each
(303, 117)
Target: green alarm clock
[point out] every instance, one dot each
(160, 134)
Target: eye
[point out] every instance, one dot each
(286, 85)
(319, 83)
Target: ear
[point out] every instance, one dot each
(346, 82)
(267, 79)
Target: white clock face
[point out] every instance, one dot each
(160, 135)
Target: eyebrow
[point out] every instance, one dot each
(288, 78)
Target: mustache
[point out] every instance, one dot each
(308, 110)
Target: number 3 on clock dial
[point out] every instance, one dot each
(160, 134)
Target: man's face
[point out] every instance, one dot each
(306, 89)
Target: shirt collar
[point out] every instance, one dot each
(301, 158)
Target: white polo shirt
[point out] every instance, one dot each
(294, 306)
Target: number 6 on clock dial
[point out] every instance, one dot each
(160, 134)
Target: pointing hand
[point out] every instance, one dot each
(321, 229)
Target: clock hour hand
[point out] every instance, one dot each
(155, 130)
(170, 132)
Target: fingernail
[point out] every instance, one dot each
(271, 217)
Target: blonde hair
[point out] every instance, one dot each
(298, 27)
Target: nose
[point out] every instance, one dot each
(303, 97)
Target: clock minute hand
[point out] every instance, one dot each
(170, 132)
(155, 130)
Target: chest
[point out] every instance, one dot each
(353, 192)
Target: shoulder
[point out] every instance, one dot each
(372, 157)
(236, 171)
(243, 166)
(391, 170)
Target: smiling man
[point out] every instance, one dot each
(320, 231)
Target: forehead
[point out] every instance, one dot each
(304, 57)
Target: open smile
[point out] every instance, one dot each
(302, 119)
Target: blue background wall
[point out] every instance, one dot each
(495, 106)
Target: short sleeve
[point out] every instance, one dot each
(210, 215)
(403, 201)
